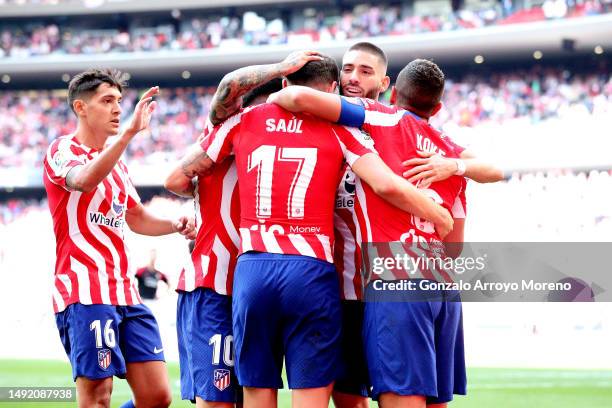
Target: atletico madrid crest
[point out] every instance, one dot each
(104, 358)
(221, 378)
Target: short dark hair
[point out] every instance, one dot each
(323, 72)
(86, 83)
(420, 85)
(372, 49)
(266, 89)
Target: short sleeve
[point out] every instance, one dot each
(218, 144)
(459, 209)
(62, 156)
(354, 143)
(457, 149)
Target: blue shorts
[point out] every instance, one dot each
(100, 339)
(415, 348)
(206, 349)
(355, 379)
(286, 305)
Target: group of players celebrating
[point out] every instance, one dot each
(290, 180)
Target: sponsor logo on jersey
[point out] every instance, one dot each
(221, 378)
(346, 191)
(101, 219)
(281, 125)
(278, 229)
(104, 358)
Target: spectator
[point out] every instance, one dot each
(149, 277)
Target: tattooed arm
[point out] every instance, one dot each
(234, 85)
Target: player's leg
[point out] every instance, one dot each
(312, 329)
(391, 400)
(141, 344)
(351, 388)
(89, 336)
(94, 393)
(149, 383)
(311, 397)
(399, 338)
(344, 400)
(450, 371)
(212, 350)
(256, 318)
(260, 397)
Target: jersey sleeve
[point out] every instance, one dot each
(219, 142)
(457, 149)
(60, 159)
(378, 115)
(353, 142)
(459, 209)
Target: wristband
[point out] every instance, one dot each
(461, 167)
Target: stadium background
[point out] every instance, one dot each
(529, 88)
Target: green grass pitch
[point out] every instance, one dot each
(487, 387)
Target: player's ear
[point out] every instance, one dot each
(285, 83)
(436, 109)
(384, 84)
(393, 98)
(333, 87)
(79, 107)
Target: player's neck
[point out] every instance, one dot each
(88, 137)
(416, 112)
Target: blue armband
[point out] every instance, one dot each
(351, 114)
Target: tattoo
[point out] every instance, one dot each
(237, 83)
(197, 163)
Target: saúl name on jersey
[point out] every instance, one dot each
(292, 126)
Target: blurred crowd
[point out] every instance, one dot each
(294, 26)
(31, 119)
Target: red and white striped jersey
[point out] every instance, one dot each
(288, 170)
(398, 135)
(92, 266)
(217, 208)
(347, 253)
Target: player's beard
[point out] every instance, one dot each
(367, 93)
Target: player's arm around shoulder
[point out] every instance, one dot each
(431, 167)
(324, 105)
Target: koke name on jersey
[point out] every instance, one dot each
(425, 144)
(292, 126)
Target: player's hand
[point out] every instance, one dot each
(186, 227)
(142, 112)
(445, 223)
(297, 60)
(429, 168)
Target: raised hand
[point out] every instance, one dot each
(142, 113)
